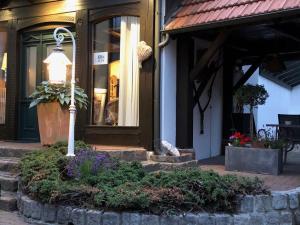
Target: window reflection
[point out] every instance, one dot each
(3, 75)
(116, 72)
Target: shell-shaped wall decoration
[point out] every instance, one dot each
(144, 51)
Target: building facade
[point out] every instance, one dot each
(107, 34)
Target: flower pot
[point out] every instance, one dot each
(53, 123)
(258, 144)
(256, 160)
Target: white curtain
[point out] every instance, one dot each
(129, 72)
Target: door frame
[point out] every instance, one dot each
(45, 39)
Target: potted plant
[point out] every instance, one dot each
(241, 155)
(252, 96)
(52, 101)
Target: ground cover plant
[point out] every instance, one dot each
(95, 180)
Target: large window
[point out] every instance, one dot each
(3, 74)
(116, 72)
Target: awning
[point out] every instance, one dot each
(195, 13)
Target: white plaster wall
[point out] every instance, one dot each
(279, 102)
(209, 144)
(295, 100)
(168, 93)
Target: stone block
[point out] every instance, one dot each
(131, 219)
(49, 213)
(79, 216)
(111, 218)
(93, 217)
(36, 210)
(149, 220)
(170, 220)
(64, 214)
(279, 201)
(20, 203)
(257, 219)
(224, 219)
(286, 218)
(297, 216)
(294, 200)
(273, 218)
(241, 219)
(189, 219)
(262, 203)
(206, 219)
(27, 206)
(246, 204)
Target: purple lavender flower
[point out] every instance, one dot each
(86, 162)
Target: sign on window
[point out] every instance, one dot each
(100, 58)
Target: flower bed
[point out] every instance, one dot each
(96, 181)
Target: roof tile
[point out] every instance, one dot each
(200, 12)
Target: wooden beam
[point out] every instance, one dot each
(211, 51)
(284, 32)
(184, 94)
(208, 72)
(228, 69)
(246, 76)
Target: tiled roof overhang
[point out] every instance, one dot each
(193, 14)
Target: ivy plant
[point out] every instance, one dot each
(47, 92)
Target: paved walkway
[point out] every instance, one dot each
(289, 179)
(8, 218)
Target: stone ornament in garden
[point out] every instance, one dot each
(169, 149)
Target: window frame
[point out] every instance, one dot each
(97, 16)
(4, 28)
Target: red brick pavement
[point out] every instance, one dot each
(289, 179)
(11, 218)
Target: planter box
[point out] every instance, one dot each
(53, 123)
(256, 160)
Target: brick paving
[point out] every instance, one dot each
(11, 218)
(289, 179)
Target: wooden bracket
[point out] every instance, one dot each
(210, 52)
(246, 76)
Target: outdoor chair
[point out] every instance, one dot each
(290, 135)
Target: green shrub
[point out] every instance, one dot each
(126, 186)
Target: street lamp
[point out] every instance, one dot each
(57, 64)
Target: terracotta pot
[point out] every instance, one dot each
(53, 123)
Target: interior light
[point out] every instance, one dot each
(57, 66)
(4, 62)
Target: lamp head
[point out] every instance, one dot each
(57, 65)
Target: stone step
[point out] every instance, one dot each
(8, 181)
(151, 166)
(9, 164)
(184, 157)
(8, 201)
(18, 150)
(126, 154)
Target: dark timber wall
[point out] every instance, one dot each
(21, 15)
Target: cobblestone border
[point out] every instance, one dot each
(279, 208)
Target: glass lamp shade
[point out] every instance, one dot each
(57, 66)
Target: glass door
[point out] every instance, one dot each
(36, 46)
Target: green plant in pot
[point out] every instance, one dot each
(52, 101)
(252, 96)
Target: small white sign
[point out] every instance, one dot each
(100, 58)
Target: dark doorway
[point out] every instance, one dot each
(35, 47)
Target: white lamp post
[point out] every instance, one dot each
(57, 62)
